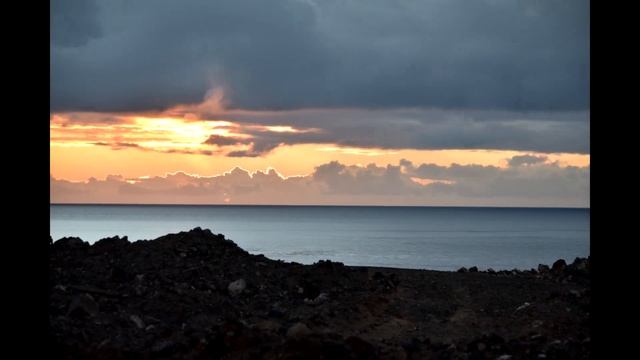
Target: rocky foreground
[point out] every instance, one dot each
(196, 295)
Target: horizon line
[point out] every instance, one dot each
(328, 205)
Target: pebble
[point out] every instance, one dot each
(137, 320)
(237, 287)
(323, 297)
(523, 306)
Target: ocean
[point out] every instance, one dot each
(437, 238)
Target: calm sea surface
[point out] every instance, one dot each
(438, 238)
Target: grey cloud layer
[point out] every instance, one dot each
(418, 128)
(423, 129)
(526, 184)
(122, 55)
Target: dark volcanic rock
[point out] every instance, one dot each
(110, 244)
(559, 266)
(70, 243)
(580, 267)
(197, 295)
(543, 269)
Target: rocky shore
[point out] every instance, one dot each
(197, 295)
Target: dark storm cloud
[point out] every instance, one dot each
(75, 22)
(422, 129)
(419, 128)
(286, 54)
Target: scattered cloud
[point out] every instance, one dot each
(219, 140)
(542, 184)
(526, 160)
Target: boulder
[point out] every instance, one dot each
(69, 243)
(559, 266)
(543, 269)
(298, 330)
(579, 267)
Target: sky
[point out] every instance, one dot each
(348, 102)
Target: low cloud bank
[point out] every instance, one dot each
(526, 182)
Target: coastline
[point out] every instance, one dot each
(196, 295)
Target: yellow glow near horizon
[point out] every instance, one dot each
(282, 129)
(153, 133)
(70, 164)
(183, 131)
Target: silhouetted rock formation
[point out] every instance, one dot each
(197, 295)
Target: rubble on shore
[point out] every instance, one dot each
(197, 295)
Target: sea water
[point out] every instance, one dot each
(438, 238)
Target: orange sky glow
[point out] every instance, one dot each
(137, 145)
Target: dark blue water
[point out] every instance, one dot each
(437, 238)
